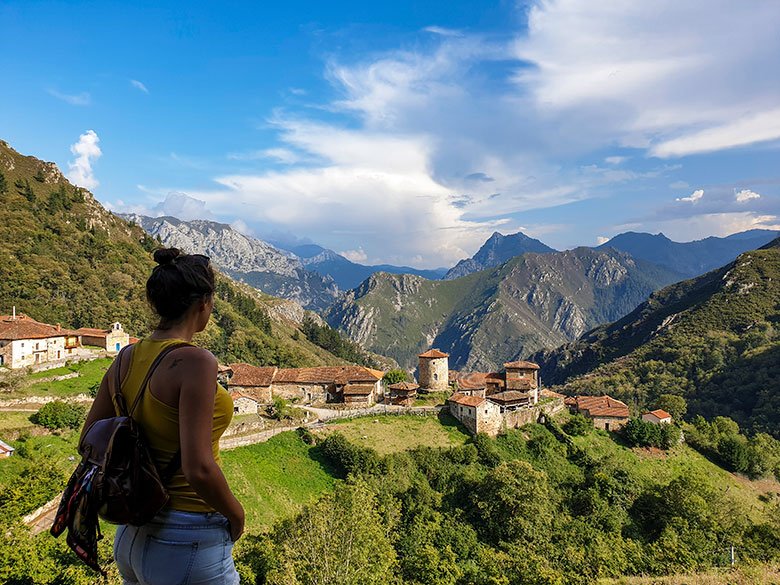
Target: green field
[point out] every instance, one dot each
(390, 434)
(275, 479)
(90, 373)
(12, 423)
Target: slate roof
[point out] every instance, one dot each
(24, 327)
(602, 406)
(509, 396)
(434, 353)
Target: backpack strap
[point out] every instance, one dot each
(175, 463)
(116, 392)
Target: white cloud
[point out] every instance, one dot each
(242, 227)
(77, 99)
(442, 31)
(182, 206)
(86, 151)
(716, 224)
(139, 86)
(677, 77)
(601, 240)
(615, 160)
(279, 155)
(358, 255)
(693, 197)
(745, 195)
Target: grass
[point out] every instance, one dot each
(13, 423)
(390, 434)
(431, 398)
(90, 373)
(740, 576)
(275, 479)
(59, 448)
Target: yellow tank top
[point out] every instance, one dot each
(160, 422)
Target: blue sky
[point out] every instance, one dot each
(407, 132)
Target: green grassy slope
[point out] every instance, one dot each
(68, 260)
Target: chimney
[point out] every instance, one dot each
(14, 315)
(59, 326)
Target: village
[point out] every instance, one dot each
(483, 402)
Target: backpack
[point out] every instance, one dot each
(117, 478)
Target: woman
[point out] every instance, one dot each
(183, 408)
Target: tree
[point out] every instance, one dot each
(340, 540)
(395, 376)
(3, 184)
(675, 405)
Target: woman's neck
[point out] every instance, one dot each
(182, 331)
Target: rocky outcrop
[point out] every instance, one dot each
(495, 251)
(246, 259)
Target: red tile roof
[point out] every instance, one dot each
(327, 375)
(236, 395)
(23, 327)
(522, 365)
(434, 353)
(472, 381)
(403, 386)
(466, 400)
(358, 389)
(93, 332)
(248, 375)
(551, 394)
(602, 406)
(662, 414)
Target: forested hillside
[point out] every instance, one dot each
(66, 259)
(713, 340)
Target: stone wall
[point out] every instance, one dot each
(301, 392)
(615, 424)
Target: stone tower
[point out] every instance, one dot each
(433, 370)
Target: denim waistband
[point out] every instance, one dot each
(181, 519)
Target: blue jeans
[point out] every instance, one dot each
(176, 548)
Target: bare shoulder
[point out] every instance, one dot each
(193, 357)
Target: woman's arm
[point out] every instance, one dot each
(196, 412)
(102, 406)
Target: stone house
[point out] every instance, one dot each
(112, 340)
(251, 381)
(476, 413)
(27, 342)
(433, 371)
(606, 412)
(471, 384)
(657, 417)
(401, 394)
(346, 384)
(6, 450)
(243, 404)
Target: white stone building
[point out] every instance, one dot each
(26, 342)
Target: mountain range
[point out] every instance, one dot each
(689, 259)
(712, 339)
(490, 317)
(244, 258)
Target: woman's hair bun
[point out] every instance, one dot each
(165, 256)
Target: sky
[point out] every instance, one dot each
(407, 132)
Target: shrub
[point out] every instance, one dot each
(60, 415)
(577, 426)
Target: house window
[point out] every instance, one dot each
(436, 376)
(235, 409)
(606, 426)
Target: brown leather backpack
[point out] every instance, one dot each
(117, 478)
